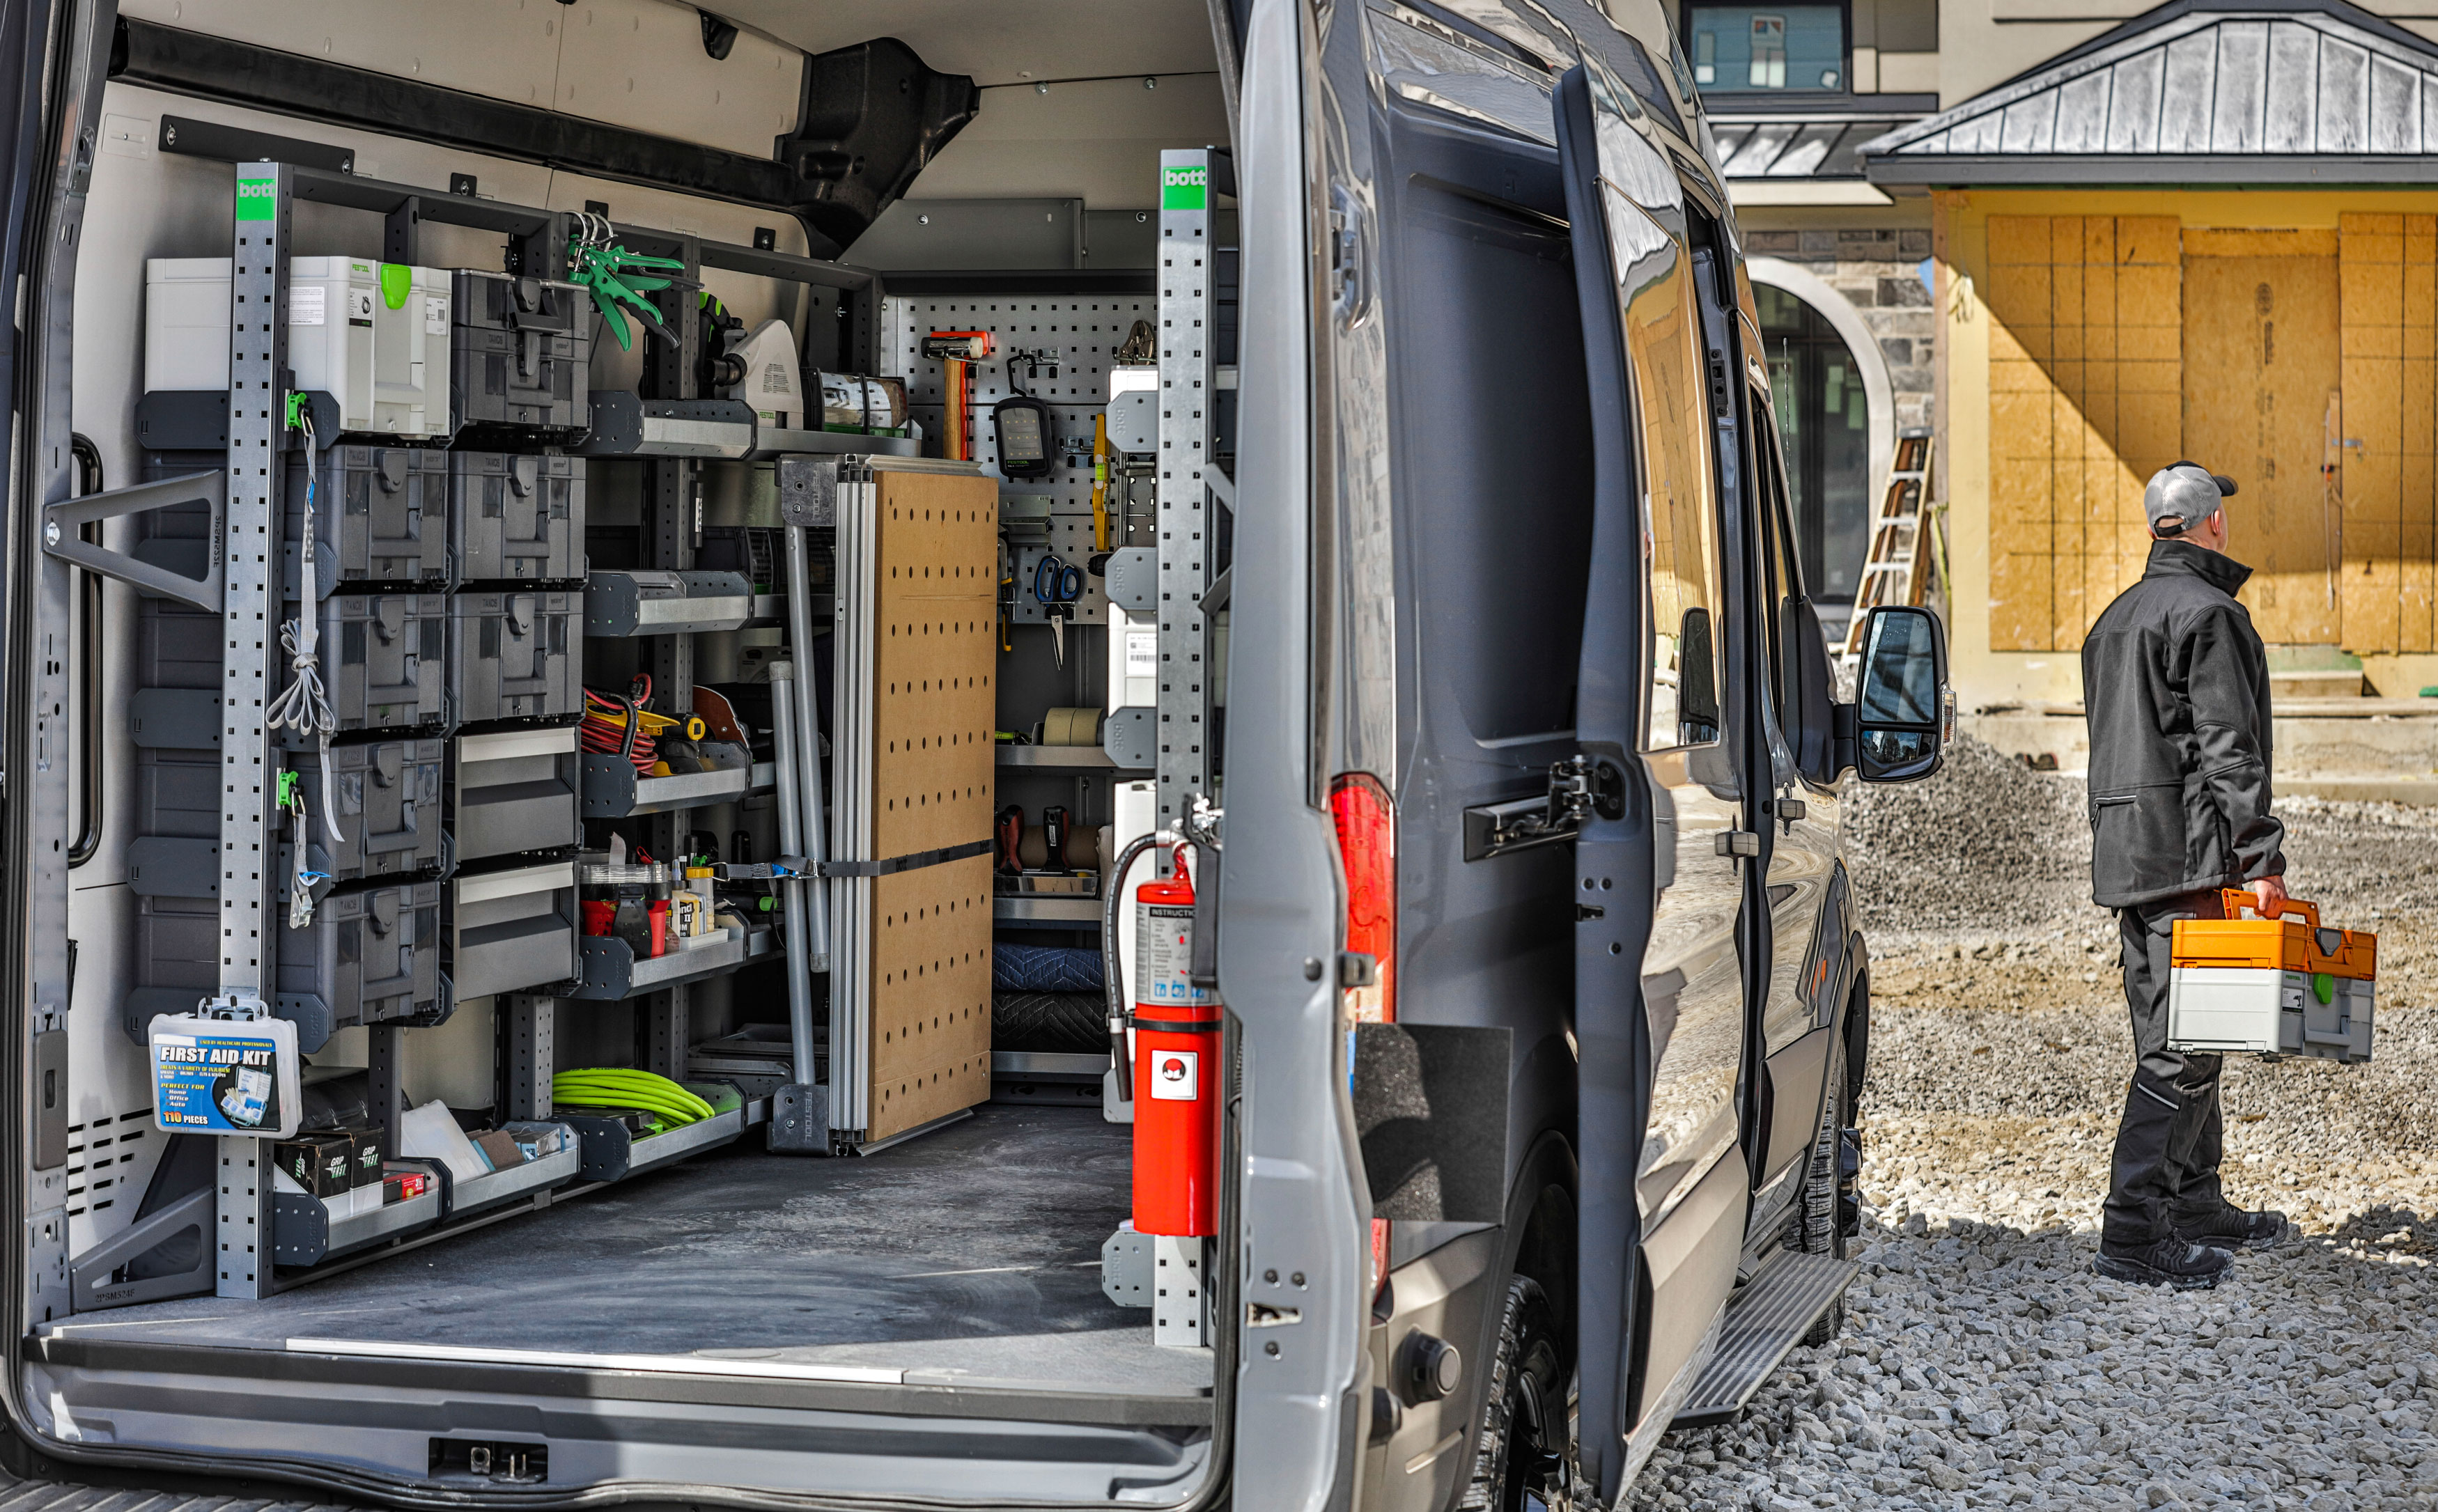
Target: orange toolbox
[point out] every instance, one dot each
(2272, 987)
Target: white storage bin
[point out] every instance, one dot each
(330, 329)
(411, 352)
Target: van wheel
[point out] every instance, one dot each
(1814, 1228)
(1521, 1456)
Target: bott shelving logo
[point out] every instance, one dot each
(1184, 188)
(254, 198)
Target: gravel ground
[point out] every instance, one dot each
(1983, 1365)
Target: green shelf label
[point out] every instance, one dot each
(256, 199)
(1184, 188)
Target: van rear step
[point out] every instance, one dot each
(1766, 1318)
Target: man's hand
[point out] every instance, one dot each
(2270, 895)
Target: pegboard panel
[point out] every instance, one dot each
(1085, 331)
(930, 995)
(935, 662)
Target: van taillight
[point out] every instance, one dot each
(1367, 848)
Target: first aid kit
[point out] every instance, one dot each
(217, 1073)
(2276, 986)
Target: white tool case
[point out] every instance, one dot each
(2272, 987)
(411, 352)
(385, 363)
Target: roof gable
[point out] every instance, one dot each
(2309, 90)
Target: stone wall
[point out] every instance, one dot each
(1877, 269)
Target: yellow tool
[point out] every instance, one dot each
(2281, 986)
(1101, 481)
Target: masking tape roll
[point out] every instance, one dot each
(1071, 726)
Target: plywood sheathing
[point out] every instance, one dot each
(2085, 366)
(2260, 372)
(2385, 591)
(935, 659)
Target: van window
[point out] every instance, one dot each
(1681, 519)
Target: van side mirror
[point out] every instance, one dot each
(1904, 711)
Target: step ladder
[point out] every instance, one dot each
(1892, 563)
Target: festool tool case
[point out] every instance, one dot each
(2283, 986)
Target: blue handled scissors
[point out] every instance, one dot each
(1057, 586)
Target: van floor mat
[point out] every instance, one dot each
(1060, 1023)
(970, 1255)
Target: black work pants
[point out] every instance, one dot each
(2171, 1138)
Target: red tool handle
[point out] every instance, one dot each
(2238, 898)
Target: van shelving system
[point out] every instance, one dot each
(179, 432)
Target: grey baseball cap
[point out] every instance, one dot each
(2186, 491)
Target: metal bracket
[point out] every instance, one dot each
(90, 1284)
(64, 523)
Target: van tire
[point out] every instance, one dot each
(1521, 1444)
(1815, 1228)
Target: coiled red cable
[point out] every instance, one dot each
(612, 726)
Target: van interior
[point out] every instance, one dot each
(714, 436)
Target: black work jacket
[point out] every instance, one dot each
(2175, 685)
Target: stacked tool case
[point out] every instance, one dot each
(520, 349)
(448, 608)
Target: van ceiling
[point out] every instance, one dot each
(1007, 41)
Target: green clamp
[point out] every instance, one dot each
(288, 797)
(2323, 987)
(296, 411)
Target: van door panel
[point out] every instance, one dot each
(1693, 993)
(1664, 1182)
(1803, 850)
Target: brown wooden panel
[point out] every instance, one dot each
(2018, 297)
(2262, 356)
(2019, 494)
(930, 993)
(936, 664)
(2149, 239)
(2147, 295)
(2019, 424)
(2308, 242)
(2016, 239)
(934, 676)
(2020, 617)
(2149, 431)
(2072, 618)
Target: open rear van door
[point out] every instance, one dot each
(1659, 1012)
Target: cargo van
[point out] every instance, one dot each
(935, 755)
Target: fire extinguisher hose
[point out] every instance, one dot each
(1113, 971)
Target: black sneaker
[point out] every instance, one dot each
(2173, 1262)
(2231, 1227)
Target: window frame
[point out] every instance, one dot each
(1745, 94)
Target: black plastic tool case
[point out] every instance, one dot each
(518, 353)
(515, 655)
(381, 519)
(516, 519)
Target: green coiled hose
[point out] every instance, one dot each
(614, 1087)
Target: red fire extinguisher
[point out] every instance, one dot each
(1175, 1066)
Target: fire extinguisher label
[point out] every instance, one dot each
(1164, 956)
(1177, 1075)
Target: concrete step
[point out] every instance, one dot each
(2317, 683)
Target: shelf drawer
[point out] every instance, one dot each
(511, 930)
(512, 791)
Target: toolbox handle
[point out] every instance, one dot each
(2238, 898)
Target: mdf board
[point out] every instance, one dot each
(2085, 362)
(2383, 453)
(916, 647)
(2261, 373)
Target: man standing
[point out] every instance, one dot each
(2176, 686)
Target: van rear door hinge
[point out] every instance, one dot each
(1579, 788)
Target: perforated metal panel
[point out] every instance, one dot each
(1085, 331)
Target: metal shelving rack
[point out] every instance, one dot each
(245, 500)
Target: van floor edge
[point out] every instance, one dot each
(971, 1253)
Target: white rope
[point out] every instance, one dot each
(303, 705)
